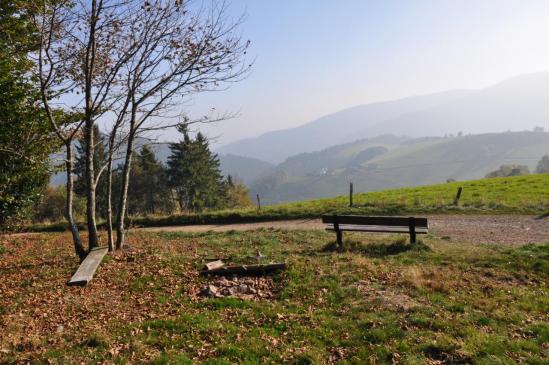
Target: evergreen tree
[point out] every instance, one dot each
(194, 173)
(148, 191)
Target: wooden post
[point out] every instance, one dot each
(258, 202)
(412, 227)
(458, 196)
(350, 195)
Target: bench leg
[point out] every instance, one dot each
(413, 236)
(339, 235)
(412, 226)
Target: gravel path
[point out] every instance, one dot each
(500, 229)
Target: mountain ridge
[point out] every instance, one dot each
(513, 101)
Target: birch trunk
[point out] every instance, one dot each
(89, 66)
(78, 246)
(122, 205)
(109, 202)
(90, 179)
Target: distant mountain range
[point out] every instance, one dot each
(517, 104)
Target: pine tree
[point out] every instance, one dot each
(194, 173)
(148, 191)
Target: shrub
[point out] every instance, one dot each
(543, 165)
(52, 206)
(509, 170)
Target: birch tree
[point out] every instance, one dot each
(82, 51)
(128, 65)
(185, 48)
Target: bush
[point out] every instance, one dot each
(52, 206)
(238, 195)
(509, 170)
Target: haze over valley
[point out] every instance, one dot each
(458, 135)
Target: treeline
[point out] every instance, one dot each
(519, 170)
(191, 181)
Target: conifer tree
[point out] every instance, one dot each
(148, 191)
(194, 173)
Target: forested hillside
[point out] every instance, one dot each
(374, 165)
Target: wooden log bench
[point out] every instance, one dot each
(359, 223)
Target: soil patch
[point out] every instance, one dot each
(385, 297)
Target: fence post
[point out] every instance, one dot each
(458, 196)
(350, 195)
(258, 202)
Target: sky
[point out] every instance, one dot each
(315, 57)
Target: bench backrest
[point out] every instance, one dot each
(375, 221)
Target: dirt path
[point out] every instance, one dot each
(501, 229)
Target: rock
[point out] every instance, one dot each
(243, 288)
(223, 281)
(210, 291)
(228, 291)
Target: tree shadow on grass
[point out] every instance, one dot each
(377, 249)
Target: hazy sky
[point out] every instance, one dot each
(314, 57)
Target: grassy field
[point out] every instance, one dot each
(380, 301)
(515, 195)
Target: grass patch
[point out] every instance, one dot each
(379, 301)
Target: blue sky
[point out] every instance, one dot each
(318, 57)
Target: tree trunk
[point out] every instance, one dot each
(151, 199)
(181, 202)
(122, 205)
(90, 179)
(109, 201)
(78, 246)
(89, 66)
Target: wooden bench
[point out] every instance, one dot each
(87, 268)
(360, 223)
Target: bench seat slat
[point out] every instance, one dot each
(374, 221)
(358, 228)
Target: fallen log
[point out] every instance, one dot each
(261, 269)
(87, 268)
